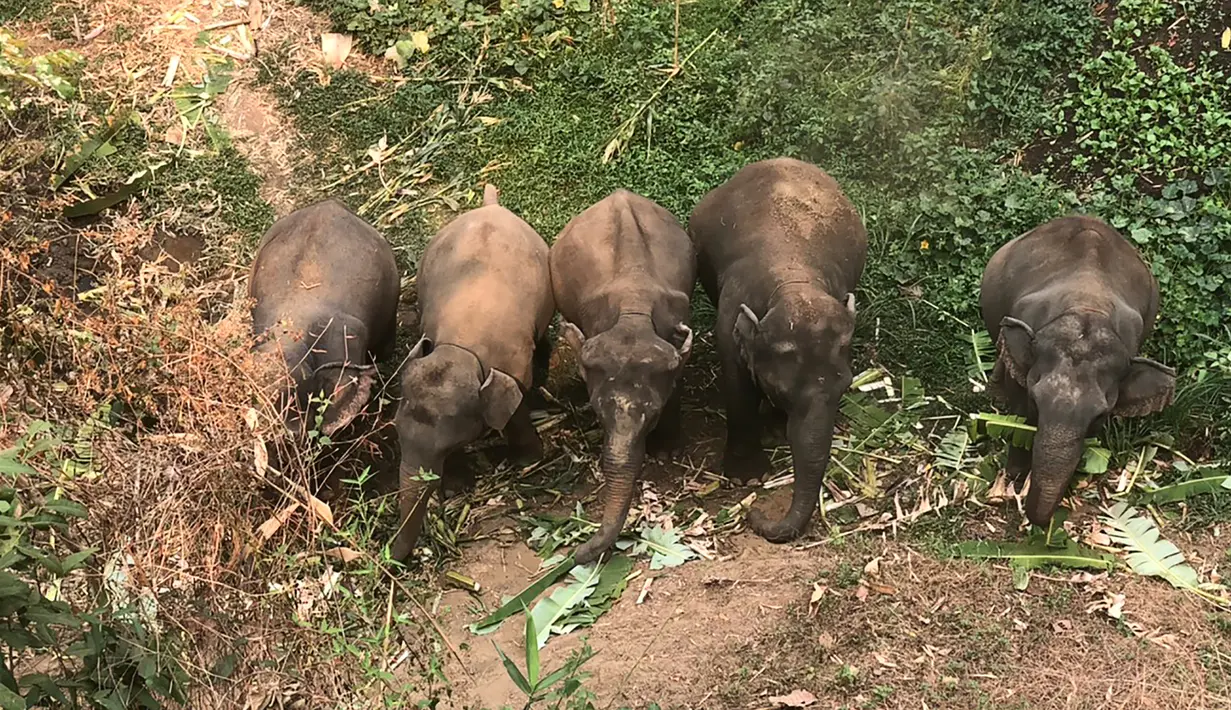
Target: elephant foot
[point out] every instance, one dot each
(458, 476)
(745, 466)
(526, 450)
(777, 531)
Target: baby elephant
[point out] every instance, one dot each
(780, 250)
(1069, 304)
(326, 290)
(622, 272)
(485, 301)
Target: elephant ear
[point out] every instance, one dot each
(350, 388)
(499, 396)
(576, 340)
(1147, 388)
(746, 326)
(1016, 348)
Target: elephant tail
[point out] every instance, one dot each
(491, 196)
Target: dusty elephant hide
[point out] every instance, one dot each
(1069, 305)
(622, 272)
(780, 252)
(325, 286)
(485, 301)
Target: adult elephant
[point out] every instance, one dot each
(1069, 304)
(780, 250)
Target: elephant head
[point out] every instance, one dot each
(630, 373)
(1077, 371)
(327, 365)
(799, 356)
(447, 402)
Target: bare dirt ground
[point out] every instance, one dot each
(893, 627)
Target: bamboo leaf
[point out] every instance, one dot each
(135, 183)
(551, 615)
(1029, 556)
(514, 672)
(663, 546)
(532, 651)
(90, 148)
(1185, 489)
(523, 599)
(9, 465)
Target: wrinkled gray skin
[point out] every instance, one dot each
(622, 272)
(1069, 304)
(485, 300)
(780, 251)
(325, 286)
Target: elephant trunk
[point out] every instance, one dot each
(810, 436)
(1057, 451)
(621, 464)
(413, 495)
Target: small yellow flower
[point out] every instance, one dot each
(924, 245)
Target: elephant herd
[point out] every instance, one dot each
(779, 251)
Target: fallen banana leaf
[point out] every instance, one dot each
(91, 146)
(98, 204)
(527, 595)
(1151, 555)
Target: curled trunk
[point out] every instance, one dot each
(621, 464)
(1056, 453)
(810, 436)
(413, 496)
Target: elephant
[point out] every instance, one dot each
(485, 303)
(325, 288)
(622, 272)
(1069, 304)
(780, 251)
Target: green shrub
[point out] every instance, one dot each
(953, 126)
(90, 651)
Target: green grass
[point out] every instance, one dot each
(14, 10)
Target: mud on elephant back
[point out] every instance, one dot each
(780, 253)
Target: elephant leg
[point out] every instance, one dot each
(541, 361)
(744, 458)
(1017, 464)
(667, 438)
(384, 349)
(525, 446)
(458, 476)
(1017, 461)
